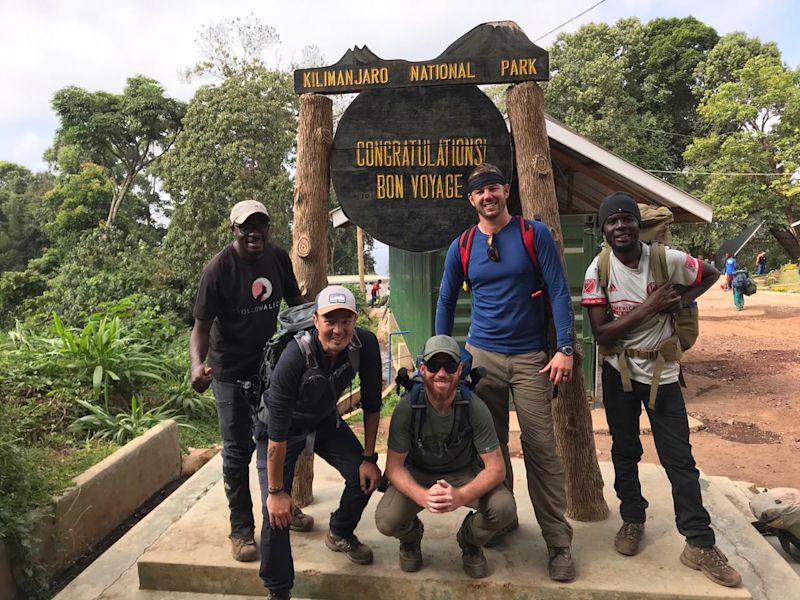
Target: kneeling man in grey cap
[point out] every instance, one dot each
(444, 454)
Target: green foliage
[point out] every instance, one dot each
(21, 215)
(753, 124)
(79, 202)
(236, 144)
(121, 427)
(125, 133)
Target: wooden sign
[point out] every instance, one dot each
(401, 158)
(490, 53)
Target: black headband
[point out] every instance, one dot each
(484, 179)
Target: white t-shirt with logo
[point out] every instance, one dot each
(627, 289)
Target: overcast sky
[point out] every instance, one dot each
(98, 44)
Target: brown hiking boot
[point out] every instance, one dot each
(282, 595)
(244, 550)
(472, 558)
(498, 536)
(359, 553)
(301, 521)
(561, 566)
(410, 552)
(713, 563)
(628, 538)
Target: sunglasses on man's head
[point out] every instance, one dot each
(492, 252)
(450, 366)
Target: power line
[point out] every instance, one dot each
(730, 173)
(569, 21)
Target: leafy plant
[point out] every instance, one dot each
(111, 356)
(122, 426)
(183, 399)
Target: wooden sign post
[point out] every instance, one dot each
(399, 162)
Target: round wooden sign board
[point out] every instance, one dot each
(401, 158)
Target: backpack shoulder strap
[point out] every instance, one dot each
(658, 263)
(528, 234)
(354, 353)
(419, 411)
(464, 249)
(604, 268)
(305, 341)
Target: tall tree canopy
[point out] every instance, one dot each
(125, 133)
(22, 215)
(753, 124)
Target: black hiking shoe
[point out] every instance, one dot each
(410, 551)
(359, 553)
(629, 538)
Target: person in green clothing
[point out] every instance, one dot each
(448, 459)
(739, 283)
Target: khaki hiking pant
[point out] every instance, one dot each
(518, 375)
(396, 514)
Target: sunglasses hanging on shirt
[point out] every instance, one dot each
(492, 252)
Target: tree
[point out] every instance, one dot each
(124, 133)
(752, 148)
(236, 144)
(22, 214)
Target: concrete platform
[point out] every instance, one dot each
(193, 555)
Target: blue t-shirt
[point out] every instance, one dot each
(505, 318)
(730, 265)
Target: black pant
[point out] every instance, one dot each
(337, 444)
(670, 428)
(236, 427)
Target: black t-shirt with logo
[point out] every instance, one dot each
(242, 297)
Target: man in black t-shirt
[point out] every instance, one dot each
(235, 313)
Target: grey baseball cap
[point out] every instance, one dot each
(441, 344)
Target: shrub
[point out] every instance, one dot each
(122, 426)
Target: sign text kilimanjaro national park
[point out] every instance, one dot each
(404, 147)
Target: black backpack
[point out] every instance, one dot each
(462, 427)
(294, 323)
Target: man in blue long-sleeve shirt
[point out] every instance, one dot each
(508, 336)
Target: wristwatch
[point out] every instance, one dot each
(566, 350)
(370, 459)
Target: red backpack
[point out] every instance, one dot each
(528, 238)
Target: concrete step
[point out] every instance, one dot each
(193, 555)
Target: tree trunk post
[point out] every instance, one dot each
(571, 415)
(360, 251)
(310, 229)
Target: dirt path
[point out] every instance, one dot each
(743, 378)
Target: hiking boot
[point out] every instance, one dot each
(410, 552)
(359, 553)
(472, 558)
(301, 521)
(497, 538)
(561, 566)
(628, 538)
(282, 595)
(244, 549)
(713, 563)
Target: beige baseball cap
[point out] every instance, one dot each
(335, 297)
(246, 208)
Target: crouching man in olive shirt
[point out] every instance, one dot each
(444, 459)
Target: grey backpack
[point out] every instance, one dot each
(778, 513)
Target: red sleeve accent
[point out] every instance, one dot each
(593, 301)
(699, 273)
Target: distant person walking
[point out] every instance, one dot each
(376, 292)
(730, 268)
(739, 283)
(761, 263)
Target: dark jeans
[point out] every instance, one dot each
(236, 427)
(670, 428)
(338, 445)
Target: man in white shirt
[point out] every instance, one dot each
(634, 314)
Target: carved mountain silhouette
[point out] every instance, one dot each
(504, 38)
(359, 56)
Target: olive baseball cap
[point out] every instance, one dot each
(441, 344)
(335, 297)
(241, 211)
